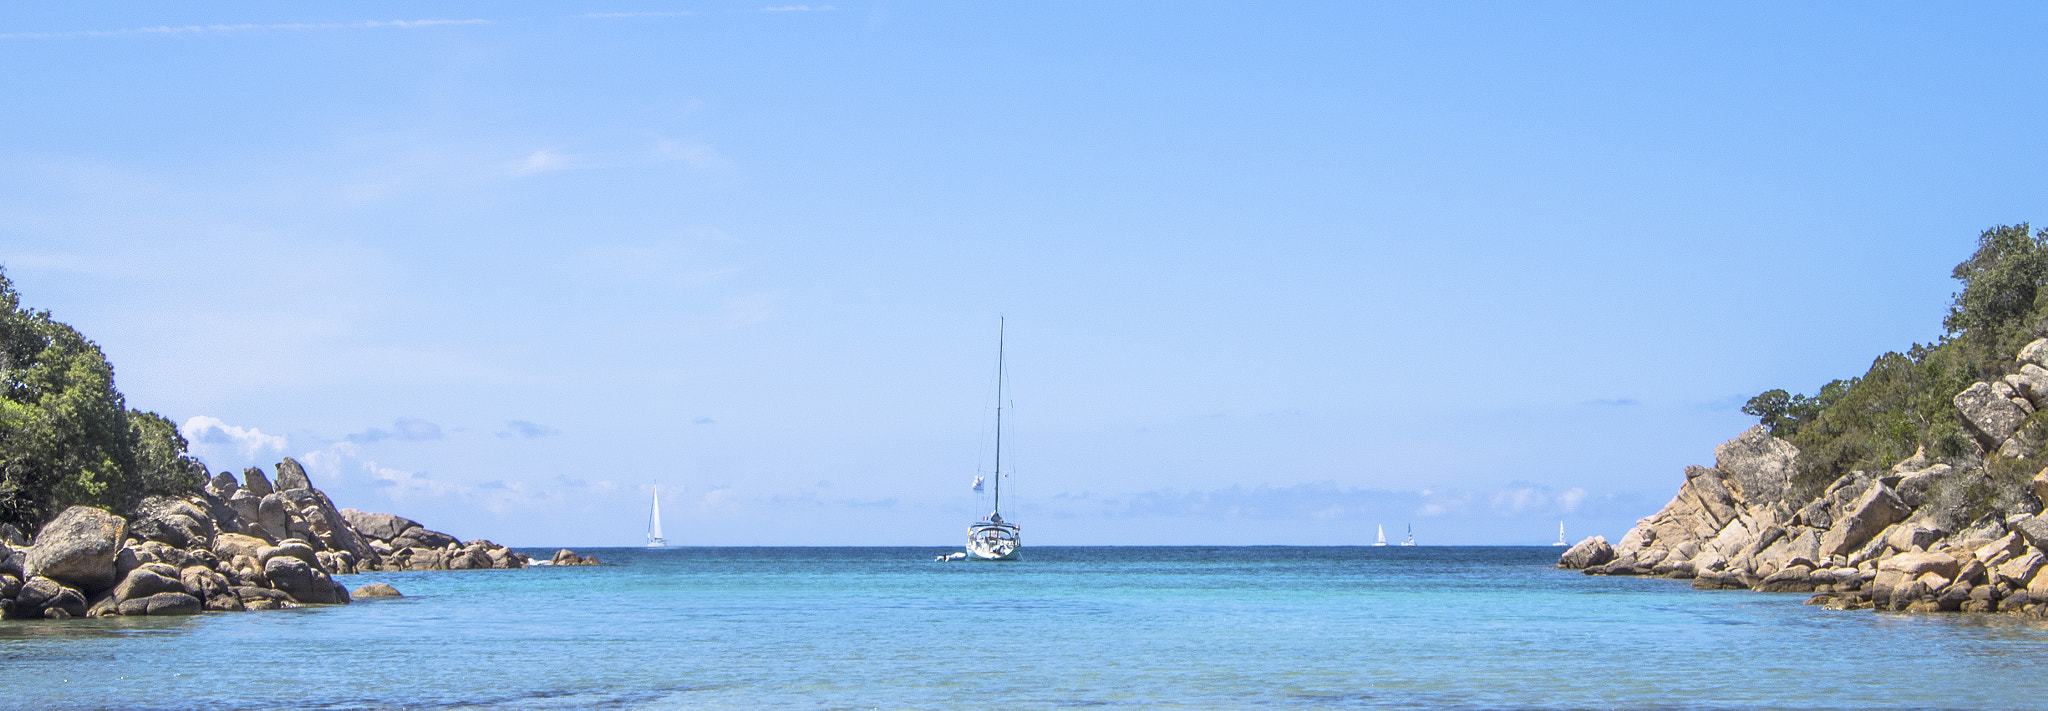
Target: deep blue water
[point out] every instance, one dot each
(1200, 627)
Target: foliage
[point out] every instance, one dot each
(67, 436)
(1906, 400)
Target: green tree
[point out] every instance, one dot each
(67, 436)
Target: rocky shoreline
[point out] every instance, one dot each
(1929, 535)
(237, 545)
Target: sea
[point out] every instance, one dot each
(1144, 627)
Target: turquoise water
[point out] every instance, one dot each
(1388, 627)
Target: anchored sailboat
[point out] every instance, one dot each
(1560, 535)
(1411, 536)
(654, 539)
(991, 538)
(1382, 540)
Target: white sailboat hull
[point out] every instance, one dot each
(993, 541)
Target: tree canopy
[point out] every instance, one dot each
(1905, 401)
(67, 436)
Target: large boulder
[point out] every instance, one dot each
(1863, 518)
(1588, 553)
(1990, 412)
(144, 583)
(1757, 466)
(1912, 488)
(290, 475)
(229, 545)
(381, 526)
(376, 590)
(303, 582)
(1919, 564)
(2035, 353)
(77, 548)
(274, 516)
(256, 483)
(43, 597)
(173, 521)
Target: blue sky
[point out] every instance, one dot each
(1273, 273)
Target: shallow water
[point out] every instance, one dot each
(1153, 627)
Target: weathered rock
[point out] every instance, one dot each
(174, 522)
(1588, 553)
(1912, 489)
(380, 526)
(12, 536)
(432, 539)
(303, 582)
(222, 485)
(1913, 536)
(77, 548)
(1876, 509)
(39, 595)
(2035, 353)
(274, 516)
(290, 475)
(1918, 564)
(376, 590)
(171, 603)
(1757, 466)
(229, 545)
(144, 583)
(2022, 568)
(254, 482)
(1791, 579)
(2032, 528)
(291, 547)
(1991, 414)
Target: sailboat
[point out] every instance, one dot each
(1411, 536)
(1560, 535)
(654, 539)
(1382, 540)
(992, 538)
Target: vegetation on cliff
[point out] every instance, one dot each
(1905, 401)
(67, 437)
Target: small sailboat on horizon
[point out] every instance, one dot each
(654, 539)
(1411, 536)
(1382, 539)
(1560, 535)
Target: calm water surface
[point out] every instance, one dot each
(1193, 627)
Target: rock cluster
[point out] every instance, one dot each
(237, 545)
(569, 557)
(1901, 540)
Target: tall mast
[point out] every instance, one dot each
(999, 414)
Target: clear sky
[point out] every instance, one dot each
(1273, 272)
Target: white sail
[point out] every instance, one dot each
(1382, 540)
(1560, 535)
(654, 539)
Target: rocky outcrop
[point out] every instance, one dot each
(237, 545)
(1894, 541)
(569, 557)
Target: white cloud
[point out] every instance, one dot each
(219, 29)
(799, 8)
(210, 435)
(624, 15)
(542, 161)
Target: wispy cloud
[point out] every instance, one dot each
(1615, 402)
(628, 15)
(206, 433)
(409, 429)
(243, 28)
(798, 8)
(528, 430)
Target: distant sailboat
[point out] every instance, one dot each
(654, 539)
(991, 538)
(1411, 536)
(1382, 540)
(1560, 535)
